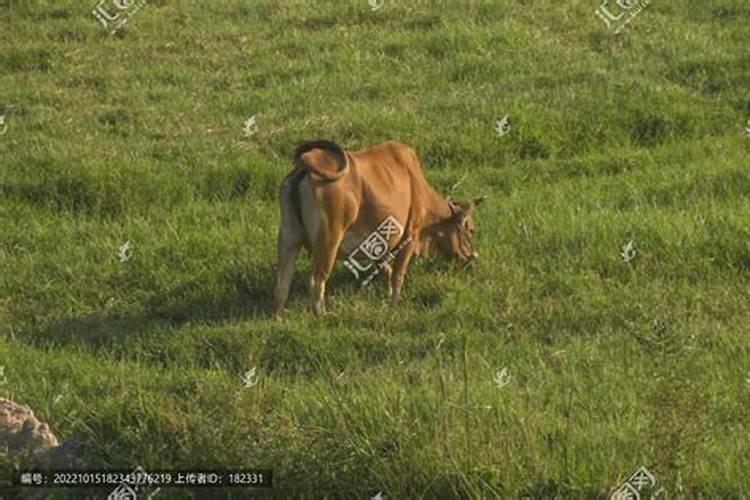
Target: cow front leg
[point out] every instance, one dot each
(324, 256)
(388, 272)
(399, 271)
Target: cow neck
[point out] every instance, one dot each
(439, 210)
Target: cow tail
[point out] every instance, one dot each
(325, 160)
(294, 179)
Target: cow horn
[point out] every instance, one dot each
(480, 200)
(458, 183)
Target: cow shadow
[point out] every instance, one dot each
(243, 296)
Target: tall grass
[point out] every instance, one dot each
(612, 365)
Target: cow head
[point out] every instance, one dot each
(452, 238)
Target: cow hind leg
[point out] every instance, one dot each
(290, 240)
(324, 256)
(288, 250)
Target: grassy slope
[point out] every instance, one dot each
(615, 137)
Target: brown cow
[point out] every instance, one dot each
(335, 199)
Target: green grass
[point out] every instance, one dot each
(138, 136)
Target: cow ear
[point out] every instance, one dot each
(480, 200)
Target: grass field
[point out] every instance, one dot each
(615, 137)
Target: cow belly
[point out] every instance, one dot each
(367, 223)
(352, 240)
(369, 238)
